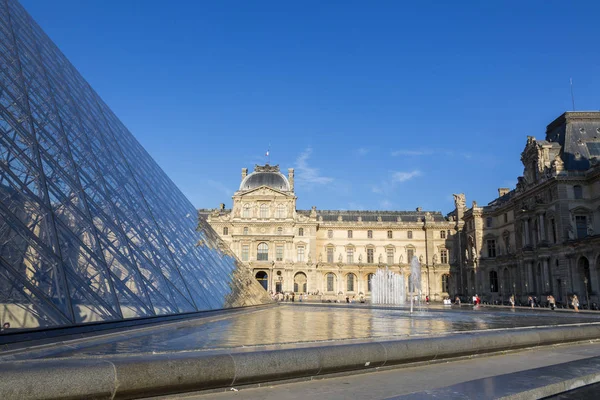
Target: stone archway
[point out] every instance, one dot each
(263, 278)
(300, 282)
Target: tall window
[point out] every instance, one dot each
(491, 248)
(245, 252)
(247, 213)
(410, 253)
(300, 253)
(390, 234)
(369, 281)
(370, 234)
(263, 252)
(330, 282)
(578, 192)
(493, 281)
(280, 231)
(409, 234)
(350, 255)
(330, 234)
(349, 234)
(245, 230)
(553, 227)
(264, 210)
(225, 231)
(444, 256)
(370, 256)
(505, 217)
(301, 232)
(442, 234)
(446, 283)
(390, 256)
(350, 278)
(581, 225)
(507, 242)
(280, 211)
(488, 222)
(279, 252)
(330, 255)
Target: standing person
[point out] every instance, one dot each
(575, 303)
(457, 301)
(475, 300)
(530, 301)
(551, 302)
(478, 299)
(512, 301)
(427, 300)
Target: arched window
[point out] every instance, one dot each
(245, 230)
(301, 232)
(264, 210)
(350, 278)
(247, 211)
(493, 281)
(369, 281)
(281, 211)
(300, 282)
(330, 282)
(578, 192)
(263, 279)
(446, 283)
(263, 252)
(280, 231)
(225, 231)
(410, 253)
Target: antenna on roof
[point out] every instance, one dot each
(572, 97)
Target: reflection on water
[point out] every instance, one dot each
(287, 324)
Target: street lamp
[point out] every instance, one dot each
(587, 298)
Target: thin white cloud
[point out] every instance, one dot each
(362, 151)
(400, 176)
(385, 204)
(220, 187)
(411, 153)
(307, 175)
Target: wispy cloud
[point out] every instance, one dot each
(400, 176)
(218, 186)
(362, 151)
(307, 175)
(396, 177)
(385, 204)
(397, 153)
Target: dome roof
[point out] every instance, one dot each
(265, 176)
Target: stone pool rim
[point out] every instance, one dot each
(132, 376)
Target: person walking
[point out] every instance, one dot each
(530, 301)
(512, 301)
(551, 302)
(575, 303)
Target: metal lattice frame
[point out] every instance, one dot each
(91, 229)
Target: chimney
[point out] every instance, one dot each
(291, 178)
(502, 191)
(244, 173)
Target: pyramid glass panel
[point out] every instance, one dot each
(91, 228)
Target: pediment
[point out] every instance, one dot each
(266, 191)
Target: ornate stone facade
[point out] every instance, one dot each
(542, 237)
(329, 253)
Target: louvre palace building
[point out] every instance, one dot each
(537, 239)
(328, 253)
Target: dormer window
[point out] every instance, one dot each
(301, 232)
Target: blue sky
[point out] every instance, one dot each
(378, 105)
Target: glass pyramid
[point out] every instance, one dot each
(91, 229)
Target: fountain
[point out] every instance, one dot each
(387, 287)
(415, 282)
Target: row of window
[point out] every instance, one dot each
(390, 234)
(263, 211)
(263, 254)
(279, 231)
(351, 281)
